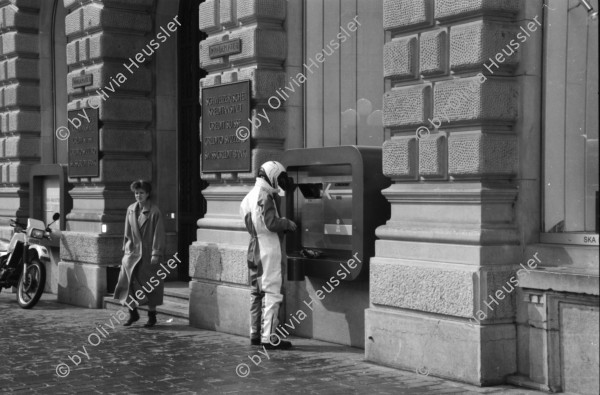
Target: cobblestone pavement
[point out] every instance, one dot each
(175, 358)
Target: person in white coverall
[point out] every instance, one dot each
(260, 211)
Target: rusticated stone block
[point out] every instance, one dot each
(263, 82)
(467, 99)
(21, 147)
(117, 170)
(10, 18)
(261, 10)
(120, 109)
(406, 106)
(260, 156)
(91, 17)
(18, 172)
(473, 154)
(20, 121)
(400, 58)
(490, 304)
(105, 45)
(473, 44)
(17, 95)
(273, 128)
(205, 261)
(434, 52)
(226, 14)
(91, 248)
(4, 175)
(17, 68)
(106, 77)
(124, 4)
(436, 290)
(33, 4)
(208, 14)
(432, 156)
(260, 44)
(400, 158)
(19, 43)
(125, 141)
(452, 8)
(400, 14)
(219, 262)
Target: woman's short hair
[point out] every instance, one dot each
(141, 184)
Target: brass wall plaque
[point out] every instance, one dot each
(226, 128)
(225, 48)
(82, 80)
(84, 159)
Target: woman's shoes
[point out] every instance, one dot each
(151, 319)
(133, 317)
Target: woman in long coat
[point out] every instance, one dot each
(143, 248)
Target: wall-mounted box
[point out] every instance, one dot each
(337, 204)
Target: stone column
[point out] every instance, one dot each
(20, 126)
(219, 287)
(453, 239)
(104, 38)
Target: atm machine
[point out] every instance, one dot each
(337, 204)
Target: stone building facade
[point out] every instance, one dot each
(486, 270)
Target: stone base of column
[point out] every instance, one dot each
(220, 307)
(81, 284)
(220, 296)
(83, 266)
(440, 346)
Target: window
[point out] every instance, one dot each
(343, 93)
(570, 124)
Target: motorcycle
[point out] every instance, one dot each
(21, 263)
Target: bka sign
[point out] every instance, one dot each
(225, 109)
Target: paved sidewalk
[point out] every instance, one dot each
(175, 358)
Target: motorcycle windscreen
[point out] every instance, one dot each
(15, 257)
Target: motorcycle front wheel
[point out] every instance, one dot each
(31, 284)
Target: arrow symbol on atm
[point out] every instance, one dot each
(326, 191)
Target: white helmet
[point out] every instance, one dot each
(273, 172)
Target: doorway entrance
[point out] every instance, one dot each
(192, 205)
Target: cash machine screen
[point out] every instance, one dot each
(323, 208)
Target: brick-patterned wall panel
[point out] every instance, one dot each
(20, 125)
(432, 52)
